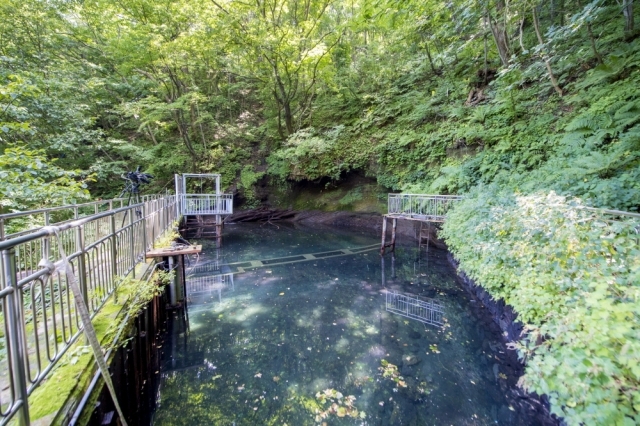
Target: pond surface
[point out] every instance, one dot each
(329, 332)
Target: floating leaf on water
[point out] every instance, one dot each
(216, 377)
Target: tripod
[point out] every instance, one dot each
(133, 189)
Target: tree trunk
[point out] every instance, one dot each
(433, 68)
(500, 37)
(288, 117)
(486, 59)
(592, 39)
(627, 11)
(545, 58)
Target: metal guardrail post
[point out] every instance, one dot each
(153, 225)
(46, 244)
(132, 242)
(114, 240)
(144, 228)
(1, 229)
(15, 339)
(82, 265)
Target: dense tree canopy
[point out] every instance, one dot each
(434, 96)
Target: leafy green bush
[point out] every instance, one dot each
(30, 180)
(573, 276)
(248, 178)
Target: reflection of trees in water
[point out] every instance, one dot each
(323, 333)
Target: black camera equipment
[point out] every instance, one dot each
(133, 180)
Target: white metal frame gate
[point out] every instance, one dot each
(190, 204)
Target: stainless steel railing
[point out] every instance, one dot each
(205, 204)
(22, 223)
(38, 317)
(421, 206)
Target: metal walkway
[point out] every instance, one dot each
(417, 207)
(199, 194)
(104, 240)
(240, 267)
(422, 207)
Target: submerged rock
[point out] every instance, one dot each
(409, 360)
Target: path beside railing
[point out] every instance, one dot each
(38, 316)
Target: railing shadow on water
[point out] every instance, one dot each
(38, 317)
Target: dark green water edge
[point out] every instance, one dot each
(315, 334)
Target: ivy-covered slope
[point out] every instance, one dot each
(573, 276)
(528, 162)
(530, 109)
(421, 135)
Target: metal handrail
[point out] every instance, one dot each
(37, 311)
(610, 212)
(421, 206)
(456, 197)
(73, 210)
(206, 204)
(428, 311)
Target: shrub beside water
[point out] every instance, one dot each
(573, 276)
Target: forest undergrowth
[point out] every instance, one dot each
(530, 109)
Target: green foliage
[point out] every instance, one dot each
(168, 238)
(414, 93)
(31, 181)
(309, 154)
(339, 405)
(248, 178)
(573, 276)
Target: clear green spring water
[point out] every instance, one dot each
(259, 350)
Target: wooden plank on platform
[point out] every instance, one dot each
(163, 252)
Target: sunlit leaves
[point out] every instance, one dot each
(29, 181)
(572, 276)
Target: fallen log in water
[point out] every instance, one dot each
(261, 214)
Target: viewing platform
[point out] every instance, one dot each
(103, 243)
(424, 208)
(199, 194)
